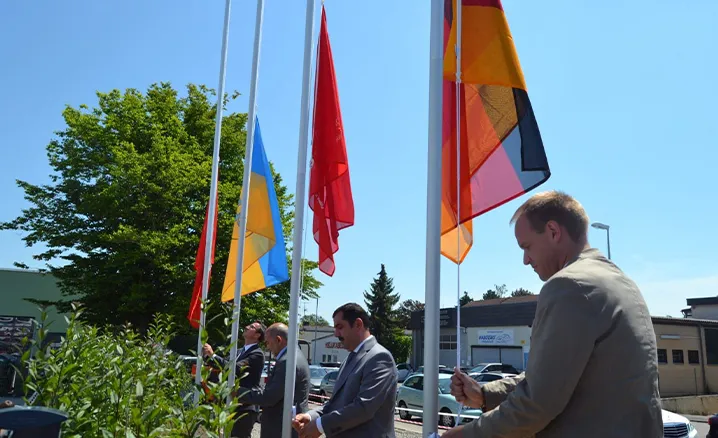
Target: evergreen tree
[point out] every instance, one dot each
(521, 292)
(380, 302)
(465, 299)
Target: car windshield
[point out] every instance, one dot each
(479, 368)
(317, 373)
(445, 386)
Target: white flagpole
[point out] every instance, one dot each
(212, 196)
(458, 195)
(433, 223)
(299, 208)
(244, 198)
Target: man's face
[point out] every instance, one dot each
(348, 335)
(251, 333)
(274, 343)
(540, 249)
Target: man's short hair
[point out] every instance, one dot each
(278, 329)
(555, 206)
(262, 330)
(350, 313)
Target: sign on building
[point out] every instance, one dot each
(496, 337)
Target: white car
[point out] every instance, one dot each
(677, 426)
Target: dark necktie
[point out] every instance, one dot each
(347, 362)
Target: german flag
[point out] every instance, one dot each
(502, 154)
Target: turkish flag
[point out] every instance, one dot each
(195, 304)
(330, 192)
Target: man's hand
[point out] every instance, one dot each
(207, 350)
(300, 421)
(455, 432)
(310, 431)
(466, 390)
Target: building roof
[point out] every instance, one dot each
(702, 301)
(509, 300)
(500, 314)
(684, 321)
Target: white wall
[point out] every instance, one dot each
(508, 336)
(327, 346)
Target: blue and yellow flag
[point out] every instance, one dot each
(265, 258)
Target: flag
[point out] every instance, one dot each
(196, 302)
(502, 154)
(330, 192)
(265, 254)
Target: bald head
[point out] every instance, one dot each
(277, 336)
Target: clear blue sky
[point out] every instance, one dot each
(624, 93)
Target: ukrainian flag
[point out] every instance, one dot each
(265, 258)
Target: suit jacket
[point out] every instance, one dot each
(248, 369)
(593, 366)
(362, 403)
(271, 397)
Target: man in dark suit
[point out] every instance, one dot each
(271, 397)
(249, 365)
(362, 403)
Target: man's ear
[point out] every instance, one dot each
(555, 229)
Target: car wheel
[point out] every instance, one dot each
(446, 420)
(404, 415)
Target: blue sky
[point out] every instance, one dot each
(624, 94)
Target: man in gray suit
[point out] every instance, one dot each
(362, 403)
(271, 397)
(592, 369)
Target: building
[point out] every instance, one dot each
(22, 290)
(324, 346)
(500, 331)
(702, 308)
(496, 330)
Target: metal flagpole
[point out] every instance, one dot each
(458, 196)
(299, 206)
(244, 198)
(433, 223)
(212, 197)
(316, 323)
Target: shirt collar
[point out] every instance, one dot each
(356, 350)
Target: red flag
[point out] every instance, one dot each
(194, 307)
(330, 192)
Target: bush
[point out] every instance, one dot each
(114, 382)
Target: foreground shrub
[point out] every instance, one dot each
(114, 382)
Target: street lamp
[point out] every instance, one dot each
(601, 226)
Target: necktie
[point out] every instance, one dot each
(347, 362)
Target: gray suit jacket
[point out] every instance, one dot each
(271, 397)
(593, 366)
(362, 403)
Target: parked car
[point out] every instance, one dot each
(411, 395)
(713, 425)
(488, 377)
(326, 387)
(316, 374)
(678, 426)
(500, 368)
(403, 370)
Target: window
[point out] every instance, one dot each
(447, 342)
(693, 357)
(678, 356)
(711, 339)
(409, 383)
(662, 355)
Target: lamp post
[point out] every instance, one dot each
(601, 226)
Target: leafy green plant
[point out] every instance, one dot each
(113, 382)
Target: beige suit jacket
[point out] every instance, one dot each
(592, 369)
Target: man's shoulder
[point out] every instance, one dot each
(380, 353)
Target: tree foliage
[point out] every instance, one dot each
(122, 214)
(381, 301)
(496, 292)
(521, 292)
(465, 299)
(403, 313)
(315, 320)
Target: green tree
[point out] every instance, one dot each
(120, 219)
(314, 320)
(521, 292)
(496, 292)
(380, 301)
(403, 313)
(465, 299)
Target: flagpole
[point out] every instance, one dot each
(300, 206)
(212, 198)
(433, 223)
(244, 197)
(458, 195)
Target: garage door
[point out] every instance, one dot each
(485, 355)
(510, 356)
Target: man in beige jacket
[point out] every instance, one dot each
(592, 369)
